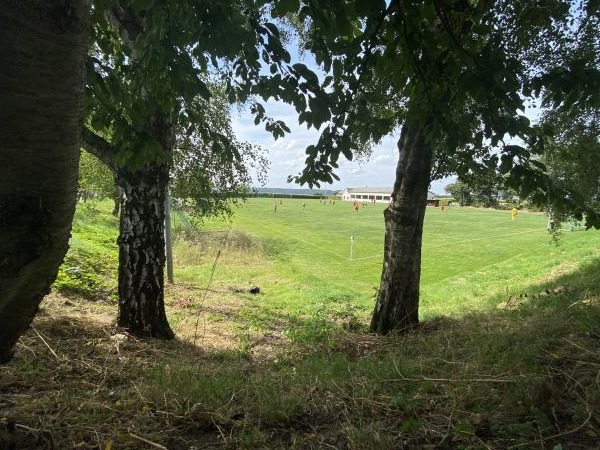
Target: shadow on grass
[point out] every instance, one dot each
(524, 375)
(579, 284)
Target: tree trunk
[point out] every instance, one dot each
(141, 232)
(116, 198)
(397, 306)
(42, 56)
(142, 251)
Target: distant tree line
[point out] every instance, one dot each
(482, 194)
(281, 195)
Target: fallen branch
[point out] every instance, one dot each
(19, 426)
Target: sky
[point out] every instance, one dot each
(287, 154)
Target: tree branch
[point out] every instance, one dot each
(100, 148)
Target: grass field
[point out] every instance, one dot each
(472, 258)
(508, 356)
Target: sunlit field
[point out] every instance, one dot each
(320, 252)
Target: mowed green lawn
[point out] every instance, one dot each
(325, 257)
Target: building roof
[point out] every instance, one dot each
(387, 191)
(370, 190)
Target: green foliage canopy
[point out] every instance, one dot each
(473, 66)
(160, 56)
(571, 158)
(210, 166)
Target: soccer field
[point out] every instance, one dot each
(469, 255)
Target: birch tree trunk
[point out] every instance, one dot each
(42, 56)
(141, 238)
(142, 251)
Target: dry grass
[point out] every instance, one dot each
(486, 381)
(78, 382)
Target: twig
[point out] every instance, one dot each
(396, 368)
(449, 425)
(455, 380)
(45, 343)
(212, 272)
(559, 435)
(580, 347)
(138, 391)
(510, 297)
(26, 428)
(153, 444)
(219, 428)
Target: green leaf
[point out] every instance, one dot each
(505, 164)
(304, 116)
(306, 73)
(369, 7)
(311, 151)
(284, 7)
(203, 90)
(347, 153)
(320, 110)
(283, 126)
(337, 68)
(142, 5)
(98, 122)
(344, 26)
(272, 28)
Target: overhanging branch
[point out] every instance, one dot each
(100, 148)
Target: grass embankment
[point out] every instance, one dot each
(514, 362)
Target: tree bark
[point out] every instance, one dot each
(142, 251)
(116, 198)
(141, 232)
(42, 55)
(397, 305)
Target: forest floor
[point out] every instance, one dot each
(526, 376)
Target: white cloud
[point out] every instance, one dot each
(383, 159)
(287, 154)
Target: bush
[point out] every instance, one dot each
(90, 267)
(82, 274)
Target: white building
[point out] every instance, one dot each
(367, 194)
(379, 195)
